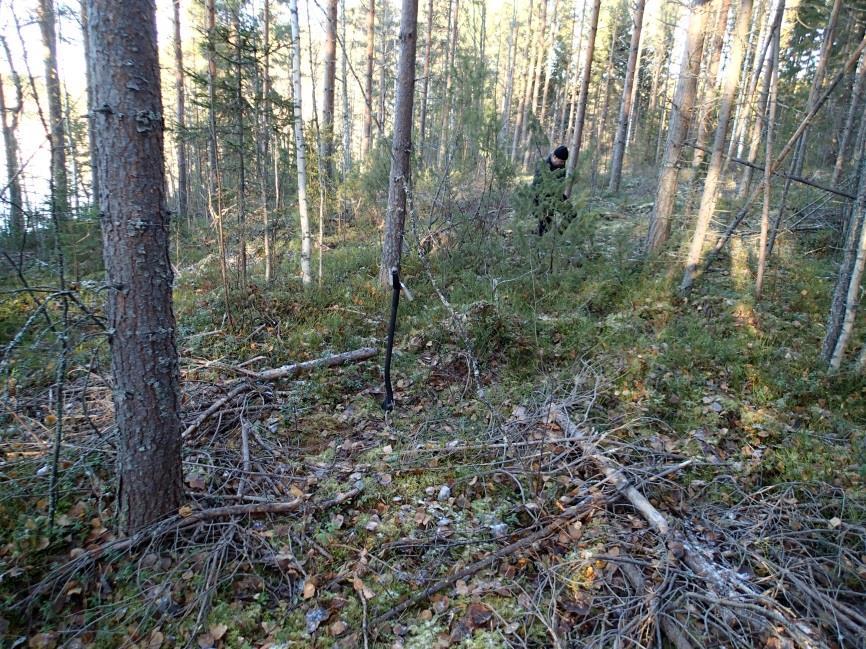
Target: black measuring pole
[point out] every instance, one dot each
(388, 403)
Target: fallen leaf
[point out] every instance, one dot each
(155, 640)
(835, 522)
(218, 631)
(338, 628)
(309, 589)
(205, 641)
(479, 614)
(426, 615)
(461, 588)
(185, 511)
(362, 589)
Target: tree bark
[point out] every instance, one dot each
(10, 118)
(534, 83)
(711, 182)
(582, 96)
(449, 82)
(135, 227)
(60, 184)
(513, 35)
(306, 244)
(347, 116)
(327, 151)
(180, 114)
(398, 182)
(681, 112)
(94, 182)
(709, 95)
(855, 108)
(425, 89)
(368, 80)
(626, 104)
(239, 125)
(265, 141)
(772, 91)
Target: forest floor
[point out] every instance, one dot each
(495, 497)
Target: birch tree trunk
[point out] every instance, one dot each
(328, 83)
(626, 104)
(401, 149)
(711, 182)
(368, 80)
(582, 96)
(681, 112)
(135, 228)
(180, 115)
(300, 149)
(60, 183)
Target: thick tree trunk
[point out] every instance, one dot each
(368, 80)
(582, 96)
(265, 141)
(681, 112)
(135, 226)
(626, 104)
(60, 183)
(401, 149)
(711, 182)
(327, 151)
(180, 114)
(306, 244)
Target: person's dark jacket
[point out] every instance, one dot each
(548, 188)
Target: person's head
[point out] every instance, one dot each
(559, 156)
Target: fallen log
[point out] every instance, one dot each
(275, 374)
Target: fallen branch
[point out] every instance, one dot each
(275, 374)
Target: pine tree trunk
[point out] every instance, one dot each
(239, 125)
(705, 107)
(856, 108)
(215, 184)
(852, 280)
(368, 80)
(347, 116)
(300, 152)
(626, 104)
(444, 142)
(711, 182)
(681, 113)
(60, 183)
(384, 64)
(548, 65)
(329, 81)
(10, 117)
(772, 92)
(535, 82)
(582, 97)
(94, 182)
(401, 149)
(422, 131)
(180, 145)
(265, 141)
(817, 81)
(513, 35)
(527, 76)
(135, 226)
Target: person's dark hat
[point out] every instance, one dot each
(561, 152)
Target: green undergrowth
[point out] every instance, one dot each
(719, 377)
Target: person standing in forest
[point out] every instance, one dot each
(548, 187)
